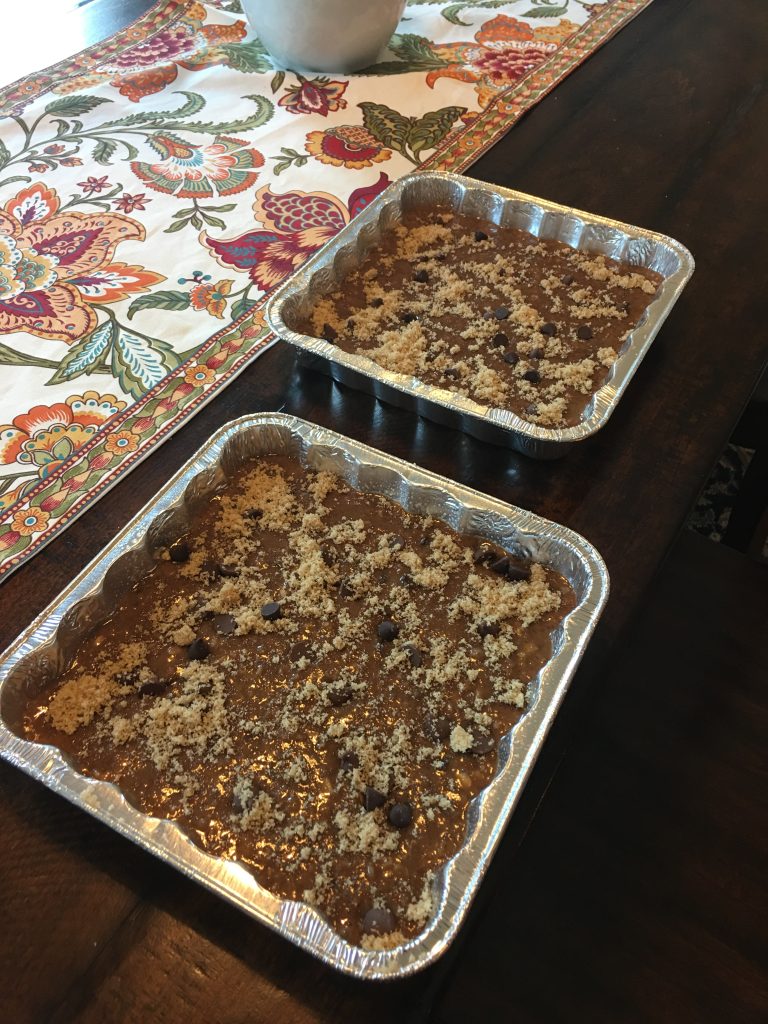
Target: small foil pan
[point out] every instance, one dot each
(44, 650)
(325, 271)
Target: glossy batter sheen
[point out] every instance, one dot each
(493, 314)
(312, 682)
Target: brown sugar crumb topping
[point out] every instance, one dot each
(430, 299)
(325, 710)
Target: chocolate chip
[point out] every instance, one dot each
(179, 551)
(483, 554)
(512, 358)
(224, 624)
(254, 513)
(441, 256)
(501, 565)
(154, 689)
(488, 315)
(501, 313)
(329, 333)
(328, 555)
(406, 579)
(518, 573)
(421, 276)
(415, 657)
(378, 921)
(408, 318)
(549, 329)
(425, 539)
(346, 589)
(568, 279)
(377, 303)
(237, 803)
(396, 542)
(483, 744)
(584, 332)
(271, 611)
(451, 372)
(401, 814)
(227, 569)
(302, 649)
(348, 761)
(440, 728)
(198, 649)
(538, 353)
(532, 375)
(387, 631)
(372, 799)
(500, 339)
(488, 629)
(480, 236)
(340, 695)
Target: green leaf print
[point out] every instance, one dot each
(85, 354)
(248, 57)
(104, 151)
(193, 104)
(139, 363)
(432, 128)
(452, 11)
(265, 110)
(387, 126)
(159, 300)
(74, 106)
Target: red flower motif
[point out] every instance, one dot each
(347, 145)
(128, 203)
(318, 96)
(507, 65)
(153, 62)
(297, 223)
(91, 185)
(38, 168)
(71, 161)
(55, 148)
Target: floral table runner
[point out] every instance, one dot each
(154, 188)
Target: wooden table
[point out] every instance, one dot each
(664, 127)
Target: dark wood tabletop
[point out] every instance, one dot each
(664, 127)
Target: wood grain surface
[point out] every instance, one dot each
(635, 895)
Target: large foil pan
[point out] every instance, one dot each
(44, 650)
(325, 271)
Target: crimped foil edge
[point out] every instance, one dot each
(160, 519)
(543, 218)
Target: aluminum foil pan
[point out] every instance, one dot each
(584, 231)
(49, 644)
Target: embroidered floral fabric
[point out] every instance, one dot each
(154, 188)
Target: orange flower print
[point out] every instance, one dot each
(30, 520)
(211, 297)
(51, 262)
(347, 145)
(122, 442)
(41, 439)
(199, 375)
(506, 50)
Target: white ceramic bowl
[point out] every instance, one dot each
(324, 35)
